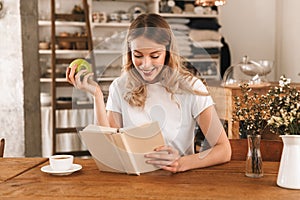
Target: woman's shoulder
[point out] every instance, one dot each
(198, 84)
(119, 82)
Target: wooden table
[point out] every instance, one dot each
(12, 167)
(226, 181)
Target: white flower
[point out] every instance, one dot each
(282, 113)
(281, 84)
(275, 120)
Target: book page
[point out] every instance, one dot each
(102, 147)
(126, 158)
(102, 129)
(141, 140)
(123, 151)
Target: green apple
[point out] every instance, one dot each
(81, 65)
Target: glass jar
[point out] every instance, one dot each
(254, 165)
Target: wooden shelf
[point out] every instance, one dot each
(69, 17)
(107, 51)
(58, 81)
(110, 25)
(63, 80)
(71, 38)
(203, 59)
(103, 79)
(216, 77)
(64, 51)
(67, 130)
(61, 23)
(66, 61)
(70, 51)
(70, 105)
(188, 15)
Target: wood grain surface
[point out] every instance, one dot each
(227, 181)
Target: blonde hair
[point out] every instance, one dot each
(174, 76)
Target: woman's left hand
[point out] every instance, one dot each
(165, 157)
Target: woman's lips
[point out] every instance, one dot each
(148, 72)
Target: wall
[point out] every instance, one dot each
(264, 29)
(19, 79)
(289, 38)
(249, 27)
(11, 84)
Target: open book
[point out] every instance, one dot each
(122, 150)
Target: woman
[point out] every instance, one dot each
(154, 86)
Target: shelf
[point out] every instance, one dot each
(63, 51)
(96, 51)
(71, 38)
(70, 105)
(68, 130)
(183, 15)
(203, 59)
(107, 51)
(69, 17)
(134, 1)
(61, 23)
(60, 82)
(48, 80)
(63, 80)
(102, 79)
(215, 77)
(111, 25)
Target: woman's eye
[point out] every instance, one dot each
(141, 56)
(137, 56)
(155, 56)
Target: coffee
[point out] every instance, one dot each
(61, 158)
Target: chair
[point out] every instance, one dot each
(2, 144)
(270, 149)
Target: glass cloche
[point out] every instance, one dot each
(248, 71)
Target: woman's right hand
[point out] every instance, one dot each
(86, 83)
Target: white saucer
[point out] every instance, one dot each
(49, 170)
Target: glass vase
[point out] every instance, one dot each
(254, 165)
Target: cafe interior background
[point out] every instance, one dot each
(260, 29)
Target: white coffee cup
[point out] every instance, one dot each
(61, 162)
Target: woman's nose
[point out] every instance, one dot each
(147, 62)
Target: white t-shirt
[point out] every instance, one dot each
(177, 118)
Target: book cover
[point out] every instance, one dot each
(122, 150)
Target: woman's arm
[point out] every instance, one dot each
(115, 119)
(220, 151)
(99, 108)
(87, 84)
